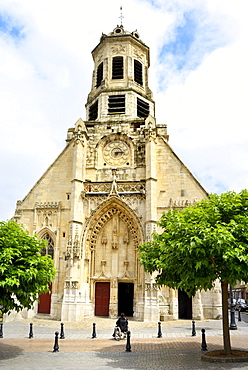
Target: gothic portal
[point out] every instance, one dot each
(105, 192)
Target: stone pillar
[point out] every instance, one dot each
(197, 311)
(151, 303)
(173, 300)
(73, 253)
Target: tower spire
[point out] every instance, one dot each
(121, 16)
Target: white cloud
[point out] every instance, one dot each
(45, 77)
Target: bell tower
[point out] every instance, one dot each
(120, 78)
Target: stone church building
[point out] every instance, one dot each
(105, 192)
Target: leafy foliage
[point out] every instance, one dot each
(24, 273)
(200, 244)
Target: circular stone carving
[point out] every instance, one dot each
(116, 153)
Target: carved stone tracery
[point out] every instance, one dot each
(107, 212)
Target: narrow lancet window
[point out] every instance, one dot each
(117, 68)
(138, 75)
(93, 111)
(50, 246)
(142, 108)
(99, 75)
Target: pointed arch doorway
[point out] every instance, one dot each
(44, 305)
(113, 239)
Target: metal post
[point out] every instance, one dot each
(159, 330)
(62, 334)
(239, 317)
(56, 342)
(204, 344)
(31, 335)
(128, 346)
(94, 331)
(233, 325)
(1, 330)
(193, 329)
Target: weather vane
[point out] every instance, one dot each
(121, 16)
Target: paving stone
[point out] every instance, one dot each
(177, 349)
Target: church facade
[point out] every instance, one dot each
(104, 194)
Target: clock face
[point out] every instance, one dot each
(116, 153)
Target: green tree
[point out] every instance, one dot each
(24, 272)
(200, 244)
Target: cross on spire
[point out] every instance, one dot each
(121, 16)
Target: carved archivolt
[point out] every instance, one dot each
(44, 231)
(108, 211)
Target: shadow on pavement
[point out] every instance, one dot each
(166, 356)
(8, 351)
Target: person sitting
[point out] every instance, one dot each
(122, 323)
(121, 326)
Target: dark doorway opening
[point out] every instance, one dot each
(102, 295)
(184, 305)
(125, 298)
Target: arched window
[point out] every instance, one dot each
(93, 111)
(50, 246)
(117, 68)
(142, 108)
(138, 75)
(99, 74)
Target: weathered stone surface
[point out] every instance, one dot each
(105, 192)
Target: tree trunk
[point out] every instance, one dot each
(225, 321)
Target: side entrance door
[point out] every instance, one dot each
(125, 298)
(184, 305)
(102, 295)
(45, 301)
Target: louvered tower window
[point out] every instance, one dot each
(99, 74)
(93, 111)
(138, 76)
(117, 68)
(50, 246)
(116, 104)
(142, 108)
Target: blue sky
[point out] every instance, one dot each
(9, 28)
(198, 75)
(184, 37)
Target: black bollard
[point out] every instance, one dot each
(193, 329)
(204, 344)
(56, 343)
(1, 330)
(159, 330)
(94, 331)
(62, 334)
(239, 317)
(233, 325)
(31, 335)
(128, 346)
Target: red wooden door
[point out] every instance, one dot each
(45, 301)
(102, 295)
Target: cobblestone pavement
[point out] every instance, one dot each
(177, 349)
